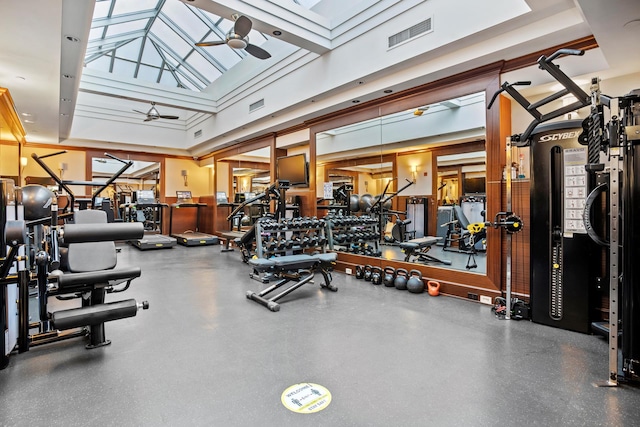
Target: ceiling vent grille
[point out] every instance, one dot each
(198, 133)
(420, 28)
(256, 105)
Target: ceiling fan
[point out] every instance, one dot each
(153, 114)
(237, 38)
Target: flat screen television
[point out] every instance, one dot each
(293, 169)
(474, 185)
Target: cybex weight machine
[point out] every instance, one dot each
(573, 163)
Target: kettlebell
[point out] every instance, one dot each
(367, 272)
(376, 275)
(359, 272)
(433, 288)
(389, 276)
(415, 284)
(400, 281)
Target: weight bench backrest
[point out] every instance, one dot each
(462, 218)
(91, 256)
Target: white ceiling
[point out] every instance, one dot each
(35, 54)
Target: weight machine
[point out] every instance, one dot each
(599, 156)
(70, 262)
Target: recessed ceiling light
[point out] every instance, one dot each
(355, 101)
(388, 91)
(26, 114)
(72, 39)
(277, 33)
(64, 114)
(635, 23)
(361, 82)
(67, 76)
(65, 100)
(29, 121)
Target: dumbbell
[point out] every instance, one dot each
(359, 271)
(282, 243)
(271, 244)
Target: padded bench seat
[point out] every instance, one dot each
(297, 268)
(418, 248)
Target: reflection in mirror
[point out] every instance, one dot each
(140, 176)
(240, 178)
(405, 147)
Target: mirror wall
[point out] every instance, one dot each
(141, 175)
(394, 154)
(435, 137)
(240, 174)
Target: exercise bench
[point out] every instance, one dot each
(299, 269)
(418, 248)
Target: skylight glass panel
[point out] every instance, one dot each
(182, 16)
(123, 67)
(96, 33)
(168, 79)
(163, 32)
(102, 9)
(128, 6)
(130, 50)
(126, 27)
(150, 55)
(227, 56)
(149, 74)
(103, 63)
(201, 64)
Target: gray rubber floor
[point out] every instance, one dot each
(204, 355)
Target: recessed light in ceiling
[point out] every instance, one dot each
(72, 39)
(388, 91)
(277, 33)
(64, 114)
(25, 114)
(29, 121)
(361, 82)
(67, 76)
(635, 23)
(355, 101)
(65, 100)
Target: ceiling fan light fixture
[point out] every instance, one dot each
(237, 43)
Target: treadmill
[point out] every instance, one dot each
(195, 237)
(152, 239)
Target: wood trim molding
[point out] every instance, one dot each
(9, 116)
(585, 43)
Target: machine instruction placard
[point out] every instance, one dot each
(575, 190)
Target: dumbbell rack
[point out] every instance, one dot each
(290, 236)
(354, 234)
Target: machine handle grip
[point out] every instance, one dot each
(563, 52)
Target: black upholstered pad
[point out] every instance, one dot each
(327, 258)
(92, 256)
(97, 277)
(261, 264)
(420, 243)
(294, 262)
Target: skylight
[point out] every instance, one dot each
(153, 40)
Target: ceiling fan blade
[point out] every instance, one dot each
(138, 111)
(168, 117)
(148, 119)
(211, 43)
(258, 52)
(242, 26)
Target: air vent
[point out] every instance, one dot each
(256, 105)
(420, 28)
(198, 133)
